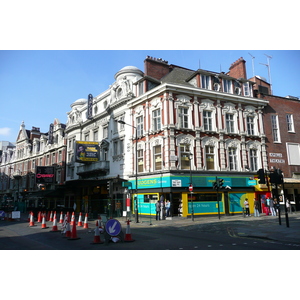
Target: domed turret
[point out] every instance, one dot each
(129, 72)
(79, 102)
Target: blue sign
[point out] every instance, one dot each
(113, 227)
(2, 213)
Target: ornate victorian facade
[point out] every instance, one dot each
(19, 165)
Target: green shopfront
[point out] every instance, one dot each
(203, 200)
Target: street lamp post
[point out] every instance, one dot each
(191, 185)
(136, 172)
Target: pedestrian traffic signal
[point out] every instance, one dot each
(276, 176)
(221, 182)
(279, 176)
(215, 185)
(261, 176)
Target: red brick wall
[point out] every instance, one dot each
(155, 69)
(281, 107)
(238, 69)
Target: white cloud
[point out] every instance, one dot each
(5, 131)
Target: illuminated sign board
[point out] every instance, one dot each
(44, 175)
(86, 151)
(90, 107)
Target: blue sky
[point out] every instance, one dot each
(38, 86)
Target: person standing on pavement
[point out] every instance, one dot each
(256, 208)
(272, 209)
(157, 208)
(246, 205)
(168, 205)
(288, 206)
(267, 206)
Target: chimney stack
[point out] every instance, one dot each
(238, 69)
(156, 67)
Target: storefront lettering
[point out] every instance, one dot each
(44, 175)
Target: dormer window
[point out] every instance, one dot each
(205, 82)
(227, 86)
(216, 84)
(247, 89)
(237, 88)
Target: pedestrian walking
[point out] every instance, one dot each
(157, 208)
(288, 206)
(267, 206)
(256, 208)
(272, 209)
(246, 205)
(168, 205)
(180, 208)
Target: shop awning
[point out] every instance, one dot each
(291, 180)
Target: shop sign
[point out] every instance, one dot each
(277, 160)
(176, 183)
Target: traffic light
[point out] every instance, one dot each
(276, 176)
(221, 182)
(279, 176)
(261, 176)
(215, 185)
(108, 185)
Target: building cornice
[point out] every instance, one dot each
(198, 92)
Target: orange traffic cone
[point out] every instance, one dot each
(54, 227)
(61, 218)
(73, 218)
(74, 233)
(128, 237)
(80, 220)
(39, 220)
(31, 223)
(97, 239)
(85, 224)
(44, 222)
(51, 216)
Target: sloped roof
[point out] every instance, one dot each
(178, 75)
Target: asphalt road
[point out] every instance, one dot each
(17, 235)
